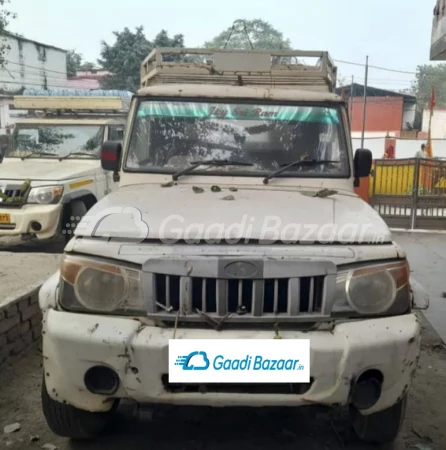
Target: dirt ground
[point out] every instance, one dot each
(195, 429)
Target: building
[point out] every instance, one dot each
(28, 65)
(389, 121)
(438, 36)
(87, 79)
(387, 112)
(31, 64)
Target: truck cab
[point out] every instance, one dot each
(235, 219)
(51, 172)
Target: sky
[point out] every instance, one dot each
(394, 33)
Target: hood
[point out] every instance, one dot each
(197, 214)
(14, 169)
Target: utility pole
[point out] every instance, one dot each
(365, 100)
(352, 98)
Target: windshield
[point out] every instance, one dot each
(57, 141)
(168, 136)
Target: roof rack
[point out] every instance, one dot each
(73, 104)
(260, 68)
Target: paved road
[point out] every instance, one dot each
(427, 257)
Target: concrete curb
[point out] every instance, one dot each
(404, 230)
(20, 323)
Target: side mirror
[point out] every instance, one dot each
(362, 163)
(111, 157)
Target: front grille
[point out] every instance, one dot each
(256, 297)
(239, 290)
(12, 192)
(237, 388)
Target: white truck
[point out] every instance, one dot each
(235, 218)
(51, 172)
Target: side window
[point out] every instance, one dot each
(116, 133)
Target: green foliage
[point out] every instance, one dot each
(123, 59)
(428, 76)
(5, 17)
(262, 35)
(74, 62)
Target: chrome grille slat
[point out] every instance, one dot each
(203, 294)
(167, 291)
(276, 296)
(257, 297)
(240, 293)
(185, 295)
(293, 296)
(222, 289)
(311, 296)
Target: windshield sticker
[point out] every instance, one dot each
(237, 112)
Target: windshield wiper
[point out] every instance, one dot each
(211, 162)
(303, 162)
(76, 153)
(36, 152)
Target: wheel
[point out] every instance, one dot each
(382, 427)
(75, 211)
(68, 421)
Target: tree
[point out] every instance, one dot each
(262, 35)
(5, 17)
(87, 66)
(426, 77)
(123, 59)
(74, 62)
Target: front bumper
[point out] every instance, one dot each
(21, 218)
(73, 343)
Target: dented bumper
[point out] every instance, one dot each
(73, 343)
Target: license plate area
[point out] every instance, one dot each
(5, 219)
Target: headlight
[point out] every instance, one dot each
(46, 195)
(373, 290)
(96, 286)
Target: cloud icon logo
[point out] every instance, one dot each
(110, 223)
(193, 361)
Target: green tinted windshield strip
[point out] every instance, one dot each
(314, 114)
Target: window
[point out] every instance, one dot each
(168, 136)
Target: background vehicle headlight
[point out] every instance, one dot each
(96, 286)
(45, 195)
(373, 290)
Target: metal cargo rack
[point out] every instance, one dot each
(257, 68)
(72, 105)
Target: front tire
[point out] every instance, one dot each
(382, 427)
(70, 422)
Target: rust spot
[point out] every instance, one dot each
(411, 340)
(134, 370)
(93, 329)
(138, 380)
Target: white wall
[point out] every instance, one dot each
(32, 65)
(407, 148)
(438, 130)
(376, 146)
